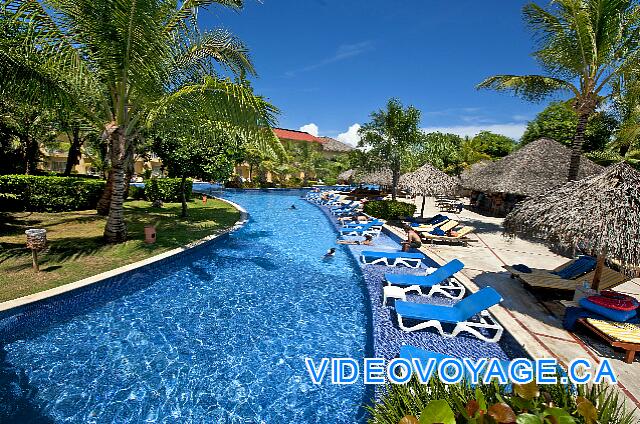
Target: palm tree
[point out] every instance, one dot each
(124, 64)
(584, 44)
(389, 138)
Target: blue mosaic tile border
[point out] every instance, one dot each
(388, 338)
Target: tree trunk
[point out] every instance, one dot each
(31, 153)
(394, 184)
(105, 200)
(595, 284)
(624, 149)
(183, 187)
(74, 152)
(576, 146)
(115, 231)
(250, 172)
(129, 169)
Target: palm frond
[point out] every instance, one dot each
(530, 87)
(189, 9)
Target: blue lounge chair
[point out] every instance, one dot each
(372, 228)
(356, 225)
(439, 281)
(411, 260)
(460, 314)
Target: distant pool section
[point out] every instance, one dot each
(218, 334)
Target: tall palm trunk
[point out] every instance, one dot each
(576, 146)
(32, 154)
(115, 231)
(105, 200)
(183, 187)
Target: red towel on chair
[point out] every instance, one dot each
(614, 300)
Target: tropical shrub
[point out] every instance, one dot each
(437, 402)
(389, 209)
(166, 189)
(136, 193)
(48, 194)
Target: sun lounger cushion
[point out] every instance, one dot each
(613, 300)
(612, 314)
(626, 333)
(461, 311)
(580, 266)
(437, 232)
(436, 277)
(522, 268)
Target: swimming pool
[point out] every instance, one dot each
(218, 335)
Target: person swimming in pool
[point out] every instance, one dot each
(368, 241)
(293, 207)
(330, 253)
(413, 239)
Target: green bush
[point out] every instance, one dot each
(166, 189)
(389, 209)
(136, 193)
(492, 403)
(48, 194)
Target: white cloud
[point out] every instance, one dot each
(311, 128)
(351, 136)
(513, 130)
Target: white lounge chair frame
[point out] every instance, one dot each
(449, 288)
(408, 262)
(486, 321)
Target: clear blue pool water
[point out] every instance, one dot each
(217, 336)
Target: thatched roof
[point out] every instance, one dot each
(347, 175)
(598, 214)
(469, 174)
(332, 145)
(429, 181)
(382, 177)
(533, 169)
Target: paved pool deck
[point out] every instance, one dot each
(528, 320)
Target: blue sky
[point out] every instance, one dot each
(331, 63)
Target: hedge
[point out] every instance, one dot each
(166, 189)
(48, 194)
(389, 209)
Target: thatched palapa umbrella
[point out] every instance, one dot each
(347, 175)
(381, 177)
(428, 181)
(600, 214)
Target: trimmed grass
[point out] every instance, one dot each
(76, 249)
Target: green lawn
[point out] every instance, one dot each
(76, 249)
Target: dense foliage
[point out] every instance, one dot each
(389, 209)
(436, 402)
(166, 189)
(559, 120)
(48, 194)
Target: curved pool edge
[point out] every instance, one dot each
(130, 268)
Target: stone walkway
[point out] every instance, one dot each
(528, 320)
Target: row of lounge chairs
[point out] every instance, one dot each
(567, 276)
(441, 228)
(468, 315)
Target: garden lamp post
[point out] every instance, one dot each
(36, 241)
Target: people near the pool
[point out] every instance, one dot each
(413, 239)
(330, 253)
(354, 217)
(368, 240)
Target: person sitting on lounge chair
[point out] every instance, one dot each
(368, 240)
(359, 217)
(413, 239)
